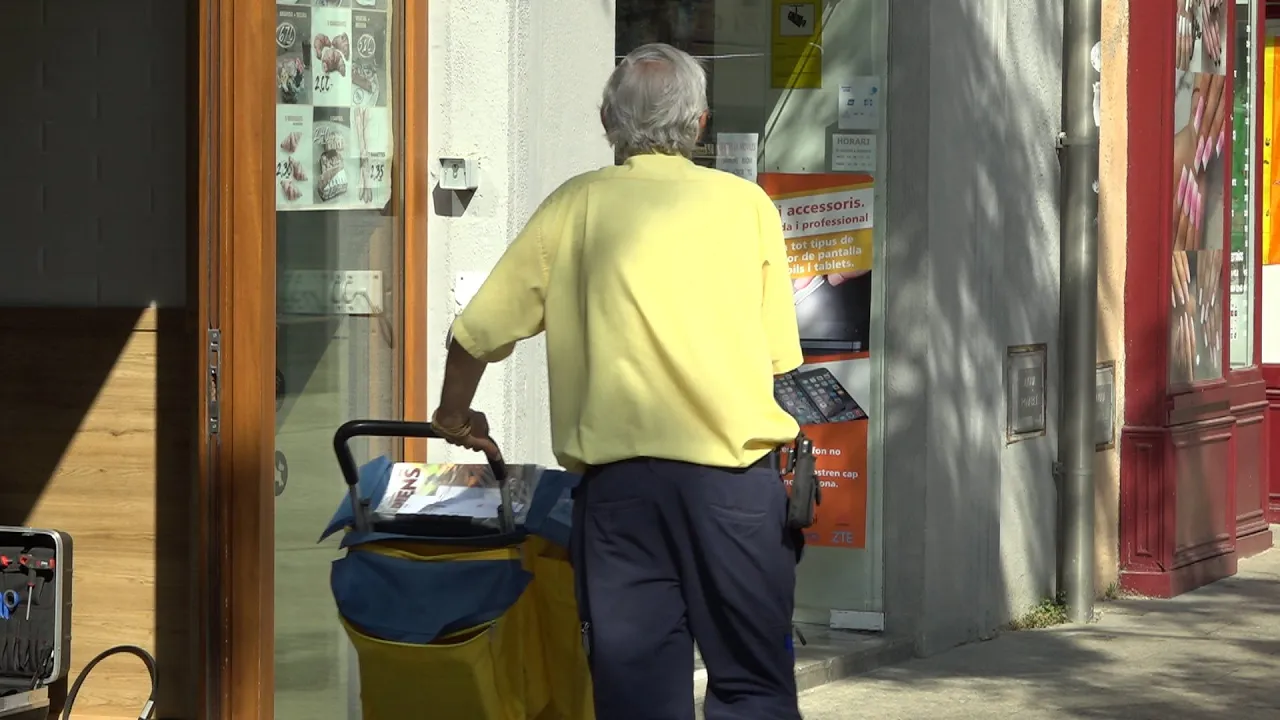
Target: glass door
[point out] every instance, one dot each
(795, 92)
(339, 310)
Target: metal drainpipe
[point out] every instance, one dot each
(1081, 34)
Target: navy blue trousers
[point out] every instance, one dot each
(666, 553)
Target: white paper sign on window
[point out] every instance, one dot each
(860, 103)
(737, 152)
(853, 153)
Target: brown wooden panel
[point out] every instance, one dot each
(417, 210)
(245, 241)
(97, 422)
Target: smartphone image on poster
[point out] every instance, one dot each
(815, 397)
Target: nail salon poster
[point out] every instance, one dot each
(333, 90)
(827, 220)
(1202, 120)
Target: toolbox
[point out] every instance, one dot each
(35, 608)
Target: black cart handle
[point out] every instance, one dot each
(408, 429)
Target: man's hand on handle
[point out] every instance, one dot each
(467, 428)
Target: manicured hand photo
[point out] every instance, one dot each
(832, 279)
(1203, 20)
(1201, 140)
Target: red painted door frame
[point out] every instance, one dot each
(1184, 447)
(1248, 385)
(1270, 372)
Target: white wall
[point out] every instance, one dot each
(93, 202)
(515, 84)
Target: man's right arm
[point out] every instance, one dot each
(509, 305)
(778, 307)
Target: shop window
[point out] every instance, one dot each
(1202, 136)
(1243, 209)
(338, 250)
(797, 96)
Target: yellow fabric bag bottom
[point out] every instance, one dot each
(477, 674)
(528, 664)
(559, 633)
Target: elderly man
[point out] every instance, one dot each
(665, 294)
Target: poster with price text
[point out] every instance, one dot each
(828, 223)
(334, 127)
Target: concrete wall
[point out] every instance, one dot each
(516, 85)
(972, 267)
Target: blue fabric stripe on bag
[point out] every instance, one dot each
(408, 601)
(551, 509)
(374, 477)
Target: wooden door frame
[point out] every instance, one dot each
(236, 279)
(237, 201)
(417, 213)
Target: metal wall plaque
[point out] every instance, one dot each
(1104, 409)
(1026, 394)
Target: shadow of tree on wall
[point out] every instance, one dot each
(972, 261)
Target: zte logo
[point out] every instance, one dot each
(842, 537)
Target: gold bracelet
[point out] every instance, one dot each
(457, 432)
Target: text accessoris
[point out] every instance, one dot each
(826, 207)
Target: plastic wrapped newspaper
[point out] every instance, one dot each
(455, 490)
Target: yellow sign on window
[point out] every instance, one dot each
(797, 44)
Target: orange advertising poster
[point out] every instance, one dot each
(821, 395)
(841, 520)
(826, 220)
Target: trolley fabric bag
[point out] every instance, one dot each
(457, 619)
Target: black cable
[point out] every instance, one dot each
(148, 710)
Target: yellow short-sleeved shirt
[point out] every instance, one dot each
(665, 294)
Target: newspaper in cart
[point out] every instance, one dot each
(455, 489)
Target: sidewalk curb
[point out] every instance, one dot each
(892, 652)
(816, 673)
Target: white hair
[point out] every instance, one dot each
(654, 102)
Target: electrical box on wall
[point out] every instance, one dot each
(459, 174)
(1026, 397)
(1104, 417)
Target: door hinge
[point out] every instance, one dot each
(215, 375)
